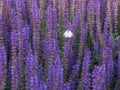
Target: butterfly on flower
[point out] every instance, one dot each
(68, 34)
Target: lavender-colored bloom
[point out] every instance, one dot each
(66, 86)
(96, 48)
(91, 19)
(74, 76)
(22, 54)
(42, 4)
(98, 22)
(36, 26)
(109, 15)
(85, 82)
(49, 22)
(109, 62)
(49, 40)
(20, 43)
(3, 67)
(59, 73)
(28, 67)
(62, 10)
(105, 31)
(52, 53)
(1, 29)
(31, 71)
(83, 36)
(34, 76)
(43, 86)
(109, 71)
(116, 14)
(14, 58)
(55, 77)
(24, 10)
(99, 77)
(77, 6)
(30, 57)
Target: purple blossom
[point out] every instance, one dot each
(99, 77)
(85, 82)
(3, 66)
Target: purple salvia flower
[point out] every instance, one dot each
(75, 24)
(1, 29)
(67, 86)
(59, 73)
(61, 10)
(33, 76)
(51, 77)
(91, 19)
(43, 86)
(99, 77)
(78, 21)
(49, 40)
(66, 10)
(77, 6)
(26, 39)
(20, 43)
(36, 26)
(31, 71)
(51, 35)
(42, 4)
(105, 32)
(109, 61)
(85, 75)
(96, 48)
(23, 35)
(49, 22)
(109, 15)
(55, 71)
(83, 36)
(49, 2)
(75, 29)
(14, 63)
(116, 14)
(3, 66)
(28, 66)
(98, 23)
(74, 76)
(22, 54)
(8, 7)
(14, 46)
(54, 80)
(103, 53)
(24, 10)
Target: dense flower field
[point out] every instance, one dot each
(59, 45)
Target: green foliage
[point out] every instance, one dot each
(94, 62)
(60, 30)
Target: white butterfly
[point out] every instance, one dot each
(68, 34)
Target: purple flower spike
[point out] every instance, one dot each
(3, 67)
